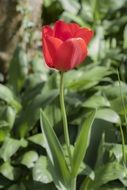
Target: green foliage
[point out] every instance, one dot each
(82, 143)
(31, 86)
(59, 168)
(41, 172)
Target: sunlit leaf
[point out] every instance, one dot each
(29, 159)
(7, 95)
(55, 152)
(82, 143)
(10, 147)
(41, 171)
(96, 101)
(7, 170)
(108, 115)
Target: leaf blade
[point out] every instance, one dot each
(82, 143)
(54, 151)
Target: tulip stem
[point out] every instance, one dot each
(64, 116)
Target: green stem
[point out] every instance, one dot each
(121, 130)
(122, 99)
(73, 184)
(123, 144)
(64, 116)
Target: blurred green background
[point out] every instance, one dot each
(26, 85)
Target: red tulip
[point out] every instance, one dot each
(65, 46)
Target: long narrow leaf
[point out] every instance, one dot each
(82, 143)
(54, 151)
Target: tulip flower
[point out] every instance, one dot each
(65, 45)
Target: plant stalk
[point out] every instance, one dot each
(64, 116)
(121, 130)
(73, 184)
(122, 99)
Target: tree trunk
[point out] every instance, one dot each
(11, 26)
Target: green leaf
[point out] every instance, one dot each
(82, 143)
(30, 115)
(55, 152)
(113, 91)
(10, 147)
(3, 132)
(125, 37)
(37, 139)
(7, 95)
(112, 188)
(106, 173)
(77, 80)
(86, 170)
(19, 187)
(96, 43)
(70, 5)
(96, 101)
(18, 69)
(117, 105)
(41, 170)
(115, 150)
(83, 169)
(108, 115)
(75, 18)
(7, 116)
(7, 170)
(29, 159)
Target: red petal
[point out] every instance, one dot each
(50, 46)
(70, 54)
(62, 30)
(73, 28)
(84, 33)
(47, 30)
